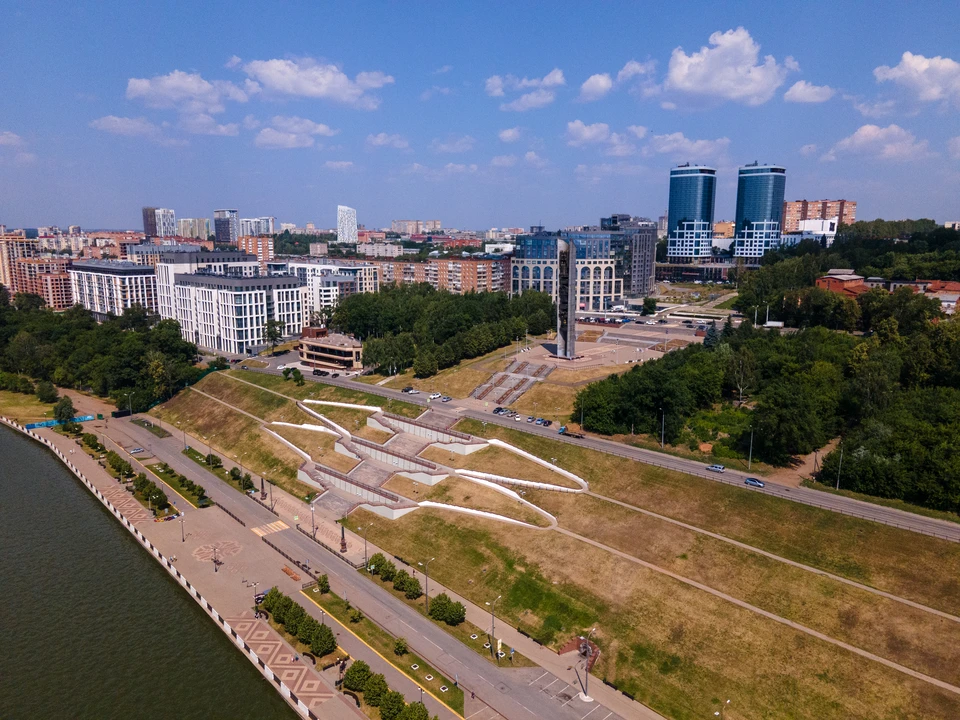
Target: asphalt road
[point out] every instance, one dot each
(807, 496)
(509, 694)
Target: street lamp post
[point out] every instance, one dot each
(493, 628)
(184, 431)
(183, 538)
(367, 527)
(426, 574)
(129, 397)
(421, 694)
(586, 669)
(313, 521)
(750, 458)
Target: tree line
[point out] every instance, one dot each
(417, 326)
(132, 359)
(892, 395)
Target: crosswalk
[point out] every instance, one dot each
(271, 528)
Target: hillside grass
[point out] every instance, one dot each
(498, 461)
(673, 647)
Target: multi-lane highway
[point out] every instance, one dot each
(807, 496)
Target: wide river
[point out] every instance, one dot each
(92, 626)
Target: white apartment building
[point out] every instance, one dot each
(108, 287)
(379, 249)
(691, 240)
(257, 226)
(346, 225)
(170, 265)
(761, 237)
(327, 282)
(227, 313)
(193, 228)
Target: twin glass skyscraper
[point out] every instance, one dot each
(760, 193)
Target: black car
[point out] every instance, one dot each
(662, 321)
(335, 375)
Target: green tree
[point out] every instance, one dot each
(298, 378)
(414, 711)
(46, 392)
(323, 641)
(713, 336)
(323, 584)
(270, 599)
(391, 705)
(356, 676)
(400, 580)
(273, 334)
(374, 690)
(649, 306)
(63, 411)
(411, 589)
(388, 571)
(425, 364)
(292, 618)
(376, 563)
(307, 629)
(400, 646)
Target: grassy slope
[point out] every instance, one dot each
(498, 461)
(24, 408)
(915, 566)
(674, 647)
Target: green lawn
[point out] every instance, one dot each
(383, 643)
(171, 478)
(152, 427)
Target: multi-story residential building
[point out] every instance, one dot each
(288, 227)
(693, 190)
(536, 262)
(261, 246)
(822, 231)
(15, 245)
(346, 225)
(226, 226)
(193, 228)
(796, 211)
(170, 265)
(456, 275)
(159, 222)
(322, 349)
(380, 249)
(318, 249)
(108, 287)
(257, 226)
(74, 230)
(227, 313)
(643, 258)
(370, 236)
(760, 190)
(328, 282)
(723, 229)
(46, 277)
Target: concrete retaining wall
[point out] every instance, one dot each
(462, 448)
(390, 513)
(474, 474)
(539, 461)
(368, 408)
(477, 513)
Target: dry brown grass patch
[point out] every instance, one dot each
(498, 461)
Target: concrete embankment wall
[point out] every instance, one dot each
(164, 561)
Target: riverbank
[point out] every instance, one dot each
(304, 689)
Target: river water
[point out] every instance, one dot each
(90, 625)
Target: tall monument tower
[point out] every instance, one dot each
(566, 298)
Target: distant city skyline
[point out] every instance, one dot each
(555, 127)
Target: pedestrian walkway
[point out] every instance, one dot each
(271, 528)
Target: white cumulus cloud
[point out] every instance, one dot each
(496, 86)
(875, 109)
(638, 131)
(534, 160)
(187, 92)
(385, 140)
(9, 139)
(803, 92)
(930, 79)
(889, 143)
(338, 164)
(809, 149)
(680, 147)
(595, 87)
(730, 69)
(273, 139)
(579, 133)
(309, 78)
(203, 124)
(453, 144)
(509, 135)
(301, 126)
(530, 101)
(504, 161)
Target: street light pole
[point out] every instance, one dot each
(183, 538)
(367, 527)
(313, 521)
(750, 458)
(493, 628)
(426, 574)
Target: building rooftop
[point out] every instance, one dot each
(229, 282)
(113, 266)
(328, 338)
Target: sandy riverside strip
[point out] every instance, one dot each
(165, 562)
(786, 561)
(763, 613)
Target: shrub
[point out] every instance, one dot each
(323, 641)
(235, 474)
(391, 705)
(414, 711)
(281, 607)
(323, 584)
(90, 440)
(374, 690)
(214, 460)
(400, 646)
(270, 599)
(400, 580)
(356, 676)
(293, 617)
(307, 629)
(388, 572)
(411, 588)
(356, 616)
(46, 392)
(376, 562)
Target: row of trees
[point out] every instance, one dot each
(148, 490)
(402, 580)
(416, 326)
(130, 359)
(376, 693)
(186, 483)
(298, 623)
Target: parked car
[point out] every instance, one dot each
(662, 321)
(538, 421)
(530, 418)
(650, 322)
(688, 322)
(243, 367)
(446, 398)
(410, 390)
(716, 468)
(547, 423)
(753, 482)
(333, 375)
(281, 367)
(136, 450)
(435, 396)
(518, 417)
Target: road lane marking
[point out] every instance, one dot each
(273, 527)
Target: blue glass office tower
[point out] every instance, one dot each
(760, 190)
(693, 192)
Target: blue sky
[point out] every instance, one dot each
(478, 114)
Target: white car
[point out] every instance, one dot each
(281, 367)
(650, 322)
(435, 396)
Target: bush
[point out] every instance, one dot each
(235, 474)
(323, 641)
(414, 711)
(400, 580)
(281, 607)
(391, 705)
(90, 440)
(214, 460)
(442, 608)
(374, 690)
(293, 617)
(356, 616)
(411, 588)
(376, 562)
(400, 646)
(270, 599)
(307, 629)
(388, 572)
(323, 584)
(46, 392)
(356, 676)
